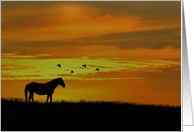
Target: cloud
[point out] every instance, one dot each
(51, 21)
(23, 55)
(23, 15)
(154, 39)
(15, 67)
(97, 53)
(145, 9)
(20, 77)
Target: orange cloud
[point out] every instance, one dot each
(72, 20)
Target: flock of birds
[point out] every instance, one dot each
(59, 65)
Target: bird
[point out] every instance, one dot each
(84, 65)
(97, 69)
(72, 71)
(59, 65)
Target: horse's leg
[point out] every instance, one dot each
(51, 98)
(32, 97)
(29, 98)
(47, 98)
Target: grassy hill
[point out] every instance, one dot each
(88, 116)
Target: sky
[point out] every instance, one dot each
(135, 44)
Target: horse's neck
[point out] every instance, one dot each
(52, 83)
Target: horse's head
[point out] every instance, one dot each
(61, 82)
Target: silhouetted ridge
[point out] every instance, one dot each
(88, 116)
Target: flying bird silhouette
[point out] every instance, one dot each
(59, 65)
(84, 65)
(72, 71)
(97, 69)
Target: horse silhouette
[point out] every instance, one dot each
(43, 88)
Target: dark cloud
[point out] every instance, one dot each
(142, 8)
(33, 15)
(12, 5)
(146, 9)
(154, 39)
(149, 10)
(22, 15)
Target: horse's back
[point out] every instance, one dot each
(34, 85)
(38, 88)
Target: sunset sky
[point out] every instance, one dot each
(136, 46)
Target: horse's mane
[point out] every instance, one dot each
(53, 80)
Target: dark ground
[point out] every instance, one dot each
(88, 116)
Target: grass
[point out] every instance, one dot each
(88, 115)
(21, 100)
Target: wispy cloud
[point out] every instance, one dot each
(50, 21)
(27, 68)
(155, 39)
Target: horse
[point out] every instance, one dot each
(43, 88)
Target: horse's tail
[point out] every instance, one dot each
(26, 92)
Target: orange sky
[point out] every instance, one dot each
(136, 46)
